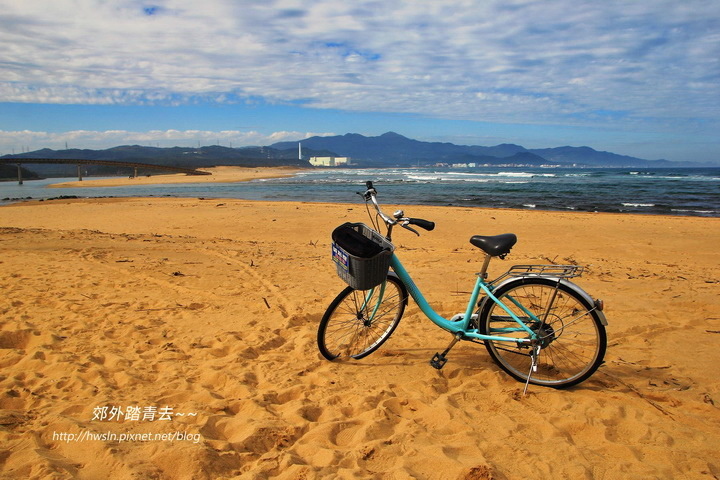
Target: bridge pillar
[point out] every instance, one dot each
(79, 174)
(20, 180)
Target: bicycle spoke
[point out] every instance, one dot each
(359, 321)
(570, 337)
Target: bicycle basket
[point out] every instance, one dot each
(361, 254)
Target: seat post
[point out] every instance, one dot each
(483, 270)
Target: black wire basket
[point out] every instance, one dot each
(361, 254)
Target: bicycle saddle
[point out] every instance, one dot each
(495, 245)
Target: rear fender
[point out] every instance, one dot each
(572, 286)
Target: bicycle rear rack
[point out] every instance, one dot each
(558, 271)
(548, 271)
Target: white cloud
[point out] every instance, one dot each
(27, 140)
(510, 61)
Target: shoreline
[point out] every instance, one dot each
(204, 187)
(110, 198)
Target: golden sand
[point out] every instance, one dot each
(208, 309)
(217, 175)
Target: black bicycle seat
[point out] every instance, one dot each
(495, 245)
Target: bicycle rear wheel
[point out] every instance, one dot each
(358, 322)
(572, 337)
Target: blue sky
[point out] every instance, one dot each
(639, 78)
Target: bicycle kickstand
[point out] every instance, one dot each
(533, 366)
(440, 359)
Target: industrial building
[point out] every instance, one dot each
(329, 161)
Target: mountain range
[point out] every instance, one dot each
(392, 149)
(386, 150)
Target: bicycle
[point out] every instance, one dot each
(535, 323)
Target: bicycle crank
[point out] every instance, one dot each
(439, 360)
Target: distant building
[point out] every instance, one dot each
(329, 161)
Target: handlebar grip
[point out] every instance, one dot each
(425, 224)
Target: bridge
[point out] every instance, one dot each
(79, 162)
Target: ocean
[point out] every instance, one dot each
(667, 191)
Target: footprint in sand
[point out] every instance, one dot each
(21, 339)
(343, 433)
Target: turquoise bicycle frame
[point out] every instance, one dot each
(462, 327)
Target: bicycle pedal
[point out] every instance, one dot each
(438, 361)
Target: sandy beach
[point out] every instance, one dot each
(175, 339)
(222, 174)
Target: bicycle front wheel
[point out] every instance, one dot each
(572, 337)
(357, 322)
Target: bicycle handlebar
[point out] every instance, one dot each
(425, 224)
(370, 195)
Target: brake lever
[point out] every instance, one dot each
(405, 226)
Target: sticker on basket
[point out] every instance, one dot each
(340, 257)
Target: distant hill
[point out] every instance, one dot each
(588, 156)
(176, 156)
(392, 149)
(388, 149)
(9, 172)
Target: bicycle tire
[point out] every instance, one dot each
(573, 337)
(358, 322)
